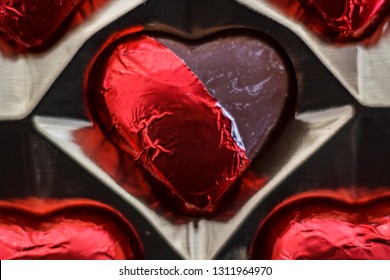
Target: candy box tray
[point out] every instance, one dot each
(331, 141)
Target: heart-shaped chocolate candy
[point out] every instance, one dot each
(65, 229)
(339, 21)
(30, 24)
(326, 225)
(194, 142)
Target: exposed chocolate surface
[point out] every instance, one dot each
(249, 76)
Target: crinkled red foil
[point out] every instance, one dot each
(152, 105)
(340, 21)
(327, 225)
(29, 23)
(65, 229)
(335, 236)
(36, 24)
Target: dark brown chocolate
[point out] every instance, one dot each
(248, 74)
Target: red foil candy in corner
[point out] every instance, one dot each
(327, 225)
(65, 229)
(341, 21)
(28, 24)
(152, 105)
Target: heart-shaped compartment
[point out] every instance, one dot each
(194, 132)
(327, 225)
(65, 229)
(340, 21)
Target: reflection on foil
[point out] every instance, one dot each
(347, 223)
(234, 131)
(196, 238)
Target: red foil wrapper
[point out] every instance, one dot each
(340, 21)
(35, 25)
(327, 225)
(65, 229)
(29, 23)
(152, 105)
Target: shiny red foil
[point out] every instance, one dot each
(30, 23)
(152, 105)
(327, 225)
(35, 25)
(340, 21)
(65, 229)
(130, 176)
